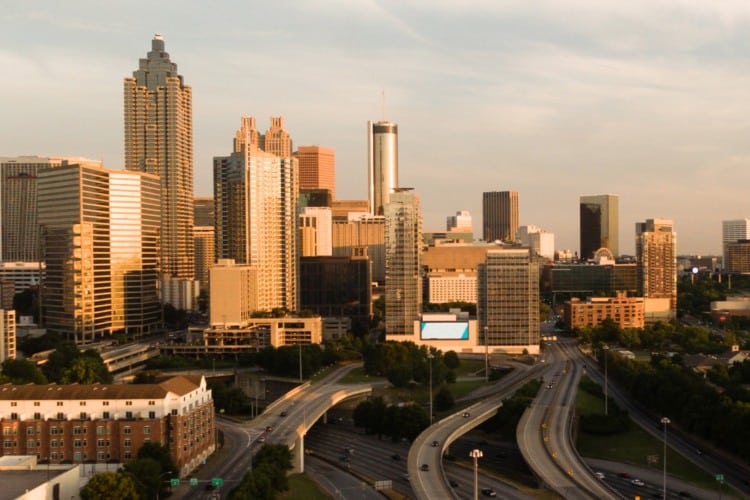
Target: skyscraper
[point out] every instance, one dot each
(460, 223)
(500, 215)
(277, 140)
(316, 168)
(599, 224)
(508, 299)
(656, 261)
(403, 250)
(733, 231)
(382, 163)
(159, 140)
(203, 237)
(100, 238)
(18, 181)
(255, 196)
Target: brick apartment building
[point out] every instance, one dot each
(108, 423)
(627, 312)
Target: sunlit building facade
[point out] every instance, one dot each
(656, 260)
(317, 168)
(100, 237)
(382, 162)
(599, 219)
(159, 141)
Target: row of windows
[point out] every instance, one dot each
(85, 416)
(83, 403)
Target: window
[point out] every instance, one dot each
(128, 414)
(60, 416)
(76, 430)
(59, 403)
(99, 430)
(7, 431)
(152, 414)
(127, 455)
(36, 403)
(100, 456)
(84, 415)
(147, 429)
(76, 443)
(14, 403)
(105, 403)
(82, 403)
(30, 443)
(29, 431)
(53, 455)
(128, 403)
(53, 443)
(37, 416)
(174, 413)
(100, 443)
(105, 415)
(8, 444)
(127, 430)
(127, 443)
(152, 403)
(77, 456)
(14, 416)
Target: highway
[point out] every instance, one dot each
(430, 445)
(544, 437)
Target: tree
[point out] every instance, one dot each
(159, 453)
(112, 485)
(444, 399)
(22, 371)
(146, 473)
(451, 360)
(86, 370)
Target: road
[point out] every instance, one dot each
(429, 447)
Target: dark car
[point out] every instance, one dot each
(453, 483)
(488, 492)
(269, 429)
(435, 444)
(424, 467)
(396, 456)
(283, 414)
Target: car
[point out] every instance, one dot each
(624, 475)
(549, 386)
(466, 414)
(488, 492)
(283, 414)
(699, 451)
(261, 439)
(269, 428)
(637, 482)
(405, 477)
(349, 450)
(453, 483)
(435, 444)
(599, 475)
(424, 467)
(396, 456)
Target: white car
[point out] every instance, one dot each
(637, 482)
(599, 475)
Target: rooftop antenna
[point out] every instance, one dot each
(382, 104)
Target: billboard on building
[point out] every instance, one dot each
(444, 330)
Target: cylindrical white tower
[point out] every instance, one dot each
(382, 142)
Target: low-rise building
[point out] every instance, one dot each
(103, 423)
(627, 312)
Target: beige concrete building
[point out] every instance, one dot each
(315, 227)
(255, 195)
(342, 208)
(277, 140)
(100, 234)
(18, 188)
(317, 168)
(159, 141)
(656, 260)
(627, 312)
(7, 334)
(205, 243)
(451, 272)
(737, 256)
(232, 294)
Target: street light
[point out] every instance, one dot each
(665, 421)
(476, 455)
(486, 356)
(300, 361)
(605, 348)
(430, 356)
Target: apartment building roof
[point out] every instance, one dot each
(179, 385)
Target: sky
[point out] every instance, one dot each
(647, 99)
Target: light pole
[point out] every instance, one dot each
(300, 361)
(486, 356)
(605, 348)
(476, 455)
(665, 421)
(430, 356)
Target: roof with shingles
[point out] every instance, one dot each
(179, 385)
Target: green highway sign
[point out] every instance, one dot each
(193, 481)
(217, 481)
(720, 477)
(175, 481)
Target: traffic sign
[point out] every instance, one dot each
(175, 481)
(217, 481)
(193, 481)
(720, 477)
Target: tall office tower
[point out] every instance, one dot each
(234, 287)
(255, 195)
(18, 178)
(361, 235)
(317, 168)
(508, 299)
(204, 243)
(315, 226)
(656, 261)
(460, 223)
(500, 215)
(599, 216)
(100, 237)
(538, 240)
(732, 231)
(403, 251)
(159, 140)
(382, 164)
(276, 140)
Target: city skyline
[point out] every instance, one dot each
(644, 100)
